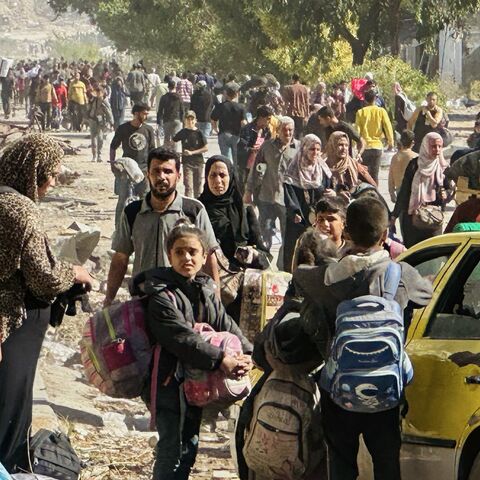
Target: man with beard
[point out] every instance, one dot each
(145, 224)
(137, 139)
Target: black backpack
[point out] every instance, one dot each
(52, 455)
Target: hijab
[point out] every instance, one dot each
(428, 175)
(341, 168)
(226, 209)
(300, 172)
(29, 162)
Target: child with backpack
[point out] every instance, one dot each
(179, 297)
(358, 399)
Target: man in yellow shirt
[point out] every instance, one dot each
(77, 99)
(373, 124)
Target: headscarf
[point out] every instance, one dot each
(340, 167)
(29, 162)
(428, 175)
(300, 172)
(226, 208)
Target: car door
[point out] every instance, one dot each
(445, 350)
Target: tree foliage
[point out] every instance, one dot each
(259, 35)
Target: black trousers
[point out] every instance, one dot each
(381, 433)
(20, 353)
(371, 158)
(178, 426)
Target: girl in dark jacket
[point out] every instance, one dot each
(170, 322)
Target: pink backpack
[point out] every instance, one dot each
(116, 351)
(206, 387)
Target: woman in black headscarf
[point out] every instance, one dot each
(235, 225)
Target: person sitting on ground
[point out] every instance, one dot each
(194, 145)
(400, 162)
(356, 274)
(347, 173)
(424, 184)
(171, 317)
(307, 179)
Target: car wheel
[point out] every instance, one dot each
(475, 470)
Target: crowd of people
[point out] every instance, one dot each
(297, 164)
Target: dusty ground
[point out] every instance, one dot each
(112, 435)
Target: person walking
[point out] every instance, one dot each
(185, 91)
(100, 117)
(170, 115)
(297, 103)
(373, 124)
(45, 96)
(136, 84)
(426, 118)
(202, 103)
(118, 101)
(8, 93)
(30, 278)
(228, 118)
(307, 178)
(77, 100)
(399, 163)
(424, 186)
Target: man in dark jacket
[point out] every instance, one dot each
(359, 273)
(202, 103)
(170, 114)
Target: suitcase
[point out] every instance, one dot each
(262, 295)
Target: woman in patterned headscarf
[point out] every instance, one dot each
(30, 278)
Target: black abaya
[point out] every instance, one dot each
(20, 353)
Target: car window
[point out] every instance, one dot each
(457, 313)
(430, 261)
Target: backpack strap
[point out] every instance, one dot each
(191, 208)
(391, 280)
(131, 211)
(156, 363)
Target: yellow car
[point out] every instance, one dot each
(441, 431)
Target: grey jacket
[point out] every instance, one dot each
(353, 276)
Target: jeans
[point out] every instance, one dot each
(228, 144)
(193, 178)
(371, 158)
(178, 426)
(205, 128)
(381, 433)
(124, 188)
(170, 129)
(268, 214)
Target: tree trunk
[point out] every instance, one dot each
(359, 50)
(395, 26)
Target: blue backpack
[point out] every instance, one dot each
(368, 368)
